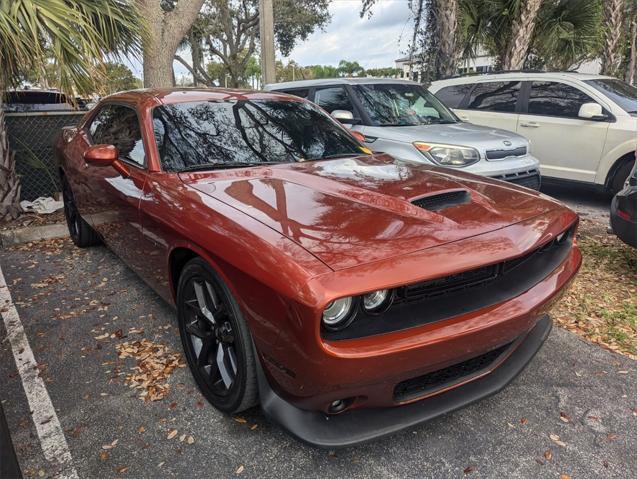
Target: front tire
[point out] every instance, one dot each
(620, 177)
(216, 340)
(79, 230)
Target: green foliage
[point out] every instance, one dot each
(77, 35)
(118, 77)
(350, 69)
(386, 72)
(566, 31)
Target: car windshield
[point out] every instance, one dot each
(620, 92)
(396, 104)
(236, 133)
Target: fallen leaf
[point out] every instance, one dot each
(141, 429)
(239, 419)
(564, 417)
(548, 455)
(190, 440)
(111, 445)
(103, 456)
(122, 470)
(523, 421)
(565, 476)
(253, 427)
(612, 436)
(172, 434)
(556, 439)
(182, 438)
(239, 470)
(469, 469)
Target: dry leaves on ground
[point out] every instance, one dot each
(155, 363)
(601, 304)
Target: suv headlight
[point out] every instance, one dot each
(448, 155)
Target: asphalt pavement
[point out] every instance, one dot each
(572, 412)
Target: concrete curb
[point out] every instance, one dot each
(32, 233)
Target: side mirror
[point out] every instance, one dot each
(106, 155)
(344, 116)
(101, 155)
(591, 111)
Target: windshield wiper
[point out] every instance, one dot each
(340, 155)
(224, 166)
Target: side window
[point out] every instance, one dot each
(453, 95)
(335, 98)
(556, 99)
(303, 93)
(118, 125)
(495, 96)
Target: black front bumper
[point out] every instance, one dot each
(362, 425)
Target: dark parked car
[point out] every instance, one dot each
(351, 295)
(623, 211)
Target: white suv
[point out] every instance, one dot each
(582, 127)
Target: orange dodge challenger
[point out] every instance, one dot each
(351, 295)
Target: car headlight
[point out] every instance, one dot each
(337, 314)
(376, 301)
(448, 155)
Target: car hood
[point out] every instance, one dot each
(351, 211)
(462, 134)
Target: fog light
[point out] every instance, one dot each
(337, 406)
(337, 314)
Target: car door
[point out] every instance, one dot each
(492, 103)
(114, 200)
(568, 147)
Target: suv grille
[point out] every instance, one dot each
(443, 200)
(501, 154)
(422, 385)
(530, 179)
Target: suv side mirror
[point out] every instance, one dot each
(591, 111)
(344, 116)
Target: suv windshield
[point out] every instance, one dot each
(620, 92)
(396, 104)
(236, 133)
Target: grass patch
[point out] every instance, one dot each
(601, 304)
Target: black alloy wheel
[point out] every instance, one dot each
(215, 338)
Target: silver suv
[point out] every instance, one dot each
(403, 119)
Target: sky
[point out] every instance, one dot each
(374, 42)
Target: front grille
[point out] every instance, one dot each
(529, 179)
(502, 154)
(431, 382)
(443, 200)
(450, 296)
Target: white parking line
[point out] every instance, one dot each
(54, 445)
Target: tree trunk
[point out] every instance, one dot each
(521, 34)
(612, 28)
(9, 180)
(166, 29)
(631, 70)
(446, 12)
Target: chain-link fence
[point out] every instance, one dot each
(32, 137)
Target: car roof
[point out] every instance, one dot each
(334, 81)
(517, 75)
(165, 96)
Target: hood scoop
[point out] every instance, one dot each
(444, 200)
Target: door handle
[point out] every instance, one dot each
(530, 124)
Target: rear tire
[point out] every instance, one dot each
(79, 230)
(216, 340)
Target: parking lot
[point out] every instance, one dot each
(572, 413)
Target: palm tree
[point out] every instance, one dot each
(78, 36)
(350, 68)
(567, 33)
(631, 61)
(613, 17)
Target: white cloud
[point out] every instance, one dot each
(374, 42)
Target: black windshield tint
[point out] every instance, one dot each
(243, 132)
(396, 104)
(620, 92)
